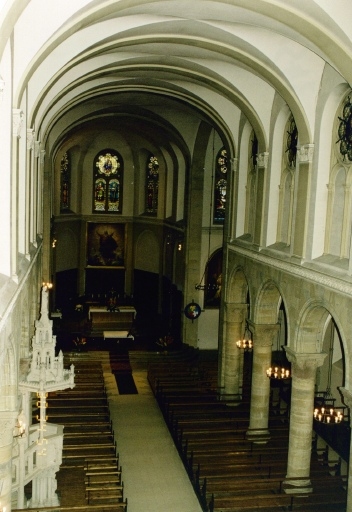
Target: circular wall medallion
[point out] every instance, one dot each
(192, 310)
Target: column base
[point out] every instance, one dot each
(297, 485)
(231, 399)
(258, 435)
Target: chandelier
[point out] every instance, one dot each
(328, 415)
(246, 343)
(324, 411)
(278, 372)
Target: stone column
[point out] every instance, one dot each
(235, 316)
(347, 399)
(303, 371)
(263, 338)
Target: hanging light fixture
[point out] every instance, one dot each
(278, 371)
(328, 415)
(326, 412)
(203, 285)
(246, 343)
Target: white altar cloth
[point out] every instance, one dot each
(118, 334)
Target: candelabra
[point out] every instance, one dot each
(328, 415)
(246, 343)
(278, 372)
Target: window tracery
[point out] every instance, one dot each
(152, 184)
(220, 188)
(65, 179)
(107, 182)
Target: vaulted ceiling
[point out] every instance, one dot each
(151, 66)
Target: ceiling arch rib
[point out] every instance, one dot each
(205, 76)
(222, 116)
(257, 14)
(176, 108)
(171, 39)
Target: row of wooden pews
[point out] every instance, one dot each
(229, 472)
(90, 475)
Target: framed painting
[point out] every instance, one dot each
(105, 245)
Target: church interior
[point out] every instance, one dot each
(176, 262)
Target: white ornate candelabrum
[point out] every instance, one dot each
(46, 374)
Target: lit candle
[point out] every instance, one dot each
(328, 419)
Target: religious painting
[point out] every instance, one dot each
(105, 244)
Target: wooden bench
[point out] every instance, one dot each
(104, 490)
(114, 472)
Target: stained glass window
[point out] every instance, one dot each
(220, 186)
(152, 184)
(345, 130)
(291, 142)
(107, 183)
(65, 172)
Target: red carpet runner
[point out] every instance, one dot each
(121, 368)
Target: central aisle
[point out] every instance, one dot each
(153, 474)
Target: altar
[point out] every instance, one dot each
(102, 319)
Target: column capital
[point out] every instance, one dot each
(42, 156)
(17, 122)
(305, 364)
(263, 333)
(234, 164)
(305, 153)
(263, 159)
(237, 309)
(30, 138)
(37, 148)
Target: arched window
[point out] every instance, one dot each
(152, 185)
(107, 182)
(220, 187)
(338, 225)
(65, 183)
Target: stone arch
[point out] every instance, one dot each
(237, 288)
(311, 328)
(318, 325)
(266, 308)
